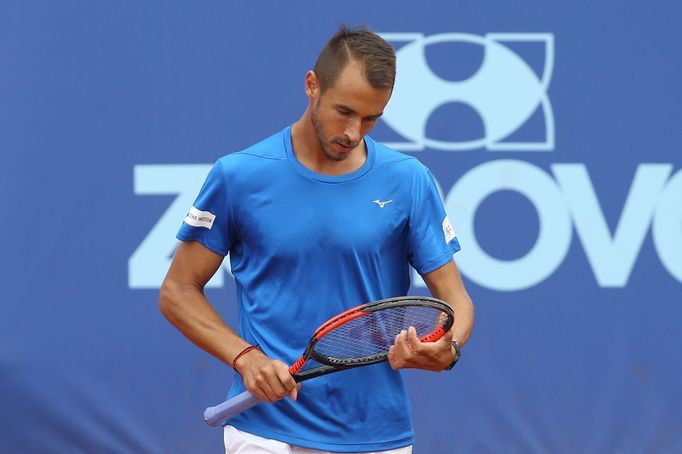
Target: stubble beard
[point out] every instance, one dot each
(321, 137)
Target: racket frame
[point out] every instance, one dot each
(330, 364)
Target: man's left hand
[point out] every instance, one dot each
(409, 352)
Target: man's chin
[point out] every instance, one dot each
(335, 156)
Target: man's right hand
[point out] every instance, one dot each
(268, 379)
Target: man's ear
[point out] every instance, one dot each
(312, 85)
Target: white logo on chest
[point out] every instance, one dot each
(380, 203)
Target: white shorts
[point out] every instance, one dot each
(238, 442)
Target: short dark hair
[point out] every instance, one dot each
(371, 50)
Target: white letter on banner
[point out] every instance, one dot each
(554, 236)
(612, 257)
(667, 227)
(148, 265)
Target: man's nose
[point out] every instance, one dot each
(353, 131)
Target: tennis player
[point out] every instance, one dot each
(319, 218)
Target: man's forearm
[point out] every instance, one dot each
(446, 284)
(464, 318)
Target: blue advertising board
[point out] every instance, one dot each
(553, 131)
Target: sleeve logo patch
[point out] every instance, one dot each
(198, 218)
(448, 230)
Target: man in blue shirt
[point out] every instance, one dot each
(319, 218)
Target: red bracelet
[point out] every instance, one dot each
(243, 352)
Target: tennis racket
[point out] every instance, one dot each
(357, 337)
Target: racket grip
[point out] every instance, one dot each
(214, 416)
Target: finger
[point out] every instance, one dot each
(393, 356)
(257, 389)
(402, 351)
(278, 387)
(414, 342)
(293, 394)
(253, 383)
(401, 344)
(442, 318)
(266, 389)
(270, 383)
(285, 377)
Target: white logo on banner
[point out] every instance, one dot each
(505, 92)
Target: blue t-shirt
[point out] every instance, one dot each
(304, 247)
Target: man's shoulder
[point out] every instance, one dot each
(390, 159)
(269, 149)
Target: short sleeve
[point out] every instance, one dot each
(209, 219)
(432, 238)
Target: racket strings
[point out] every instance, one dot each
(374, 333)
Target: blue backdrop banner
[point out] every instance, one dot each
(552, 129)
